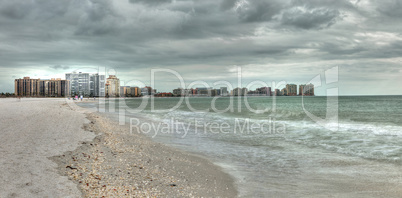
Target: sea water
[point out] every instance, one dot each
(280, 146)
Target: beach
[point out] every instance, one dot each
(65, 148)
(52, 149)
(290, 155)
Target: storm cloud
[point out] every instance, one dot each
(271, 40)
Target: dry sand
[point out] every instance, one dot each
(32, 131)
(114, 164)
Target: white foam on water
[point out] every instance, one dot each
(266, 163)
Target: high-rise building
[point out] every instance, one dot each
(309, 90)
(218, 92)
(97, 85)
(244, 91)
(263, 91)
(124, 91)
(277, 92)
(112, 86)
(54, 88)
(202, 91)
(194, 91)
(79, 83)
(86, 84)
(269, 92)
(145, 91)
(205, 91)
(306, 90)
(213, 92)
(38, 87)
(301, 89)
(224, 91)
(253, 93)
(135, 91)
(44, 87)
(26, 87)
(284, 92)
(63, 88)
(236, 91)
(291, 89)
(240, 92)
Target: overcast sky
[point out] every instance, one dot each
(270, 40)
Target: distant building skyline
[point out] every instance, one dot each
(84, 83)
(41, 87)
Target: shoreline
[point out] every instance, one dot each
(117, 163)
(93, 149)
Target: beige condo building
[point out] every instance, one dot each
(291, 89)
(112, 86)
(37, 87)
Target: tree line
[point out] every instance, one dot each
(4, 95)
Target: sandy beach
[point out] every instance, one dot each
(50, 149)
(32, 131)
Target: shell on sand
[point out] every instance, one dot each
(123, 164)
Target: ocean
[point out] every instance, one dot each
(281, 146)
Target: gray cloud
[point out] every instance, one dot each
(390, 8)
(201, 39)
(259, 10)
(100, 18)
(310, 19)
(227, 4)
(334, 4)
(14, 10)
(151, 2)
(57, 67)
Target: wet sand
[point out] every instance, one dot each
(50, 149)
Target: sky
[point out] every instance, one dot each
(354, 46)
